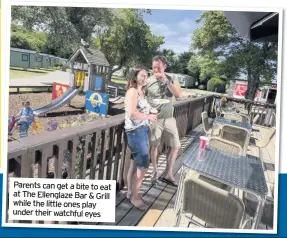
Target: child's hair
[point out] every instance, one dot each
(25, 102)
(132, 81)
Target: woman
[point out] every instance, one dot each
(137, 120)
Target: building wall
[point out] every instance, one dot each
(46, 61)
(19, 59)
(28, 59)
(33, 61)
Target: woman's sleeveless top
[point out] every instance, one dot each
(142, 106)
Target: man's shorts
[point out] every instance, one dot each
(167, 129)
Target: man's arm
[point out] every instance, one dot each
(174, 86)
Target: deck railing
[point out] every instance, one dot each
(95, 150)
(261, 113)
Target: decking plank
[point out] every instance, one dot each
(155, 211)
(167, 217)
(134, 215)
(122, 194)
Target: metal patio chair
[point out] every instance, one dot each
(207, 127)
(225, 146)
(217, 111)
(236, 135)
(245, 118)
(215, 206)
(233, 116)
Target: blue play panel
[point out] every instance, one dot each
(96, 102)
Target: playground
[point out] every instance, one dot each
(80, 100)
(78, 96)
(61, 115)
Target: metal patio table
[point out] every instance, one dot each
(242, 172)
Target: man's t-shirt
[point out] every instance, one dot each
(155, 89)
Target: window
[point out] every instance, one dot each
(25, 57)
(39, 59)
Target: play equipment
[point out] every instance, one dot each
(59, 89)
(96, 102)
(11, 124)
(89, 69)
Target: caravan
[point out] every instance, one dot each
(185, 81)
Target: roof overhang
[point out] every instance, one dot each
(76, 54)
(255, 26)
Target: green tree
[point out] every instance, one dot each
(176, 63)
(194, 67)
(27, 39)
(183, 61)
(64, 26)
(127, 40)
(121, 34)
(218, 40)
(203, 67)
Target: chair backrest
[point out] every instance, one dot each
(225, 146)
(232, 116)
(255, 119)
(235, 134)
(217, 207)
(245, 118)
(217, 111)
(274, 118)
(205, 123)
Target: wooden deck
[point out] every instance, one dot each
(162, 197)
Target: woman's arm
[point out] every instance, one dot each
(131, 104)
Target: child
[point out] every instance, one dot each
(11, 124)
(26, 117)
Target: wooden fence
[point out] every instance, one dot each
(30, 89)
(96, 150)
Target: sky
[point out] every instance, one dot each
(175, 25)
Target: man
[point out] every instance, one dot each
(162, 86)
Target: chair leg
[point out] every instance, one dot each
(261, 159)
(194, 222)
(179, 190)
(178, 218)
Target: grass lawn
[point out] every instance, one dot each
(21, 73)
(194, 90)
(14, 74)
